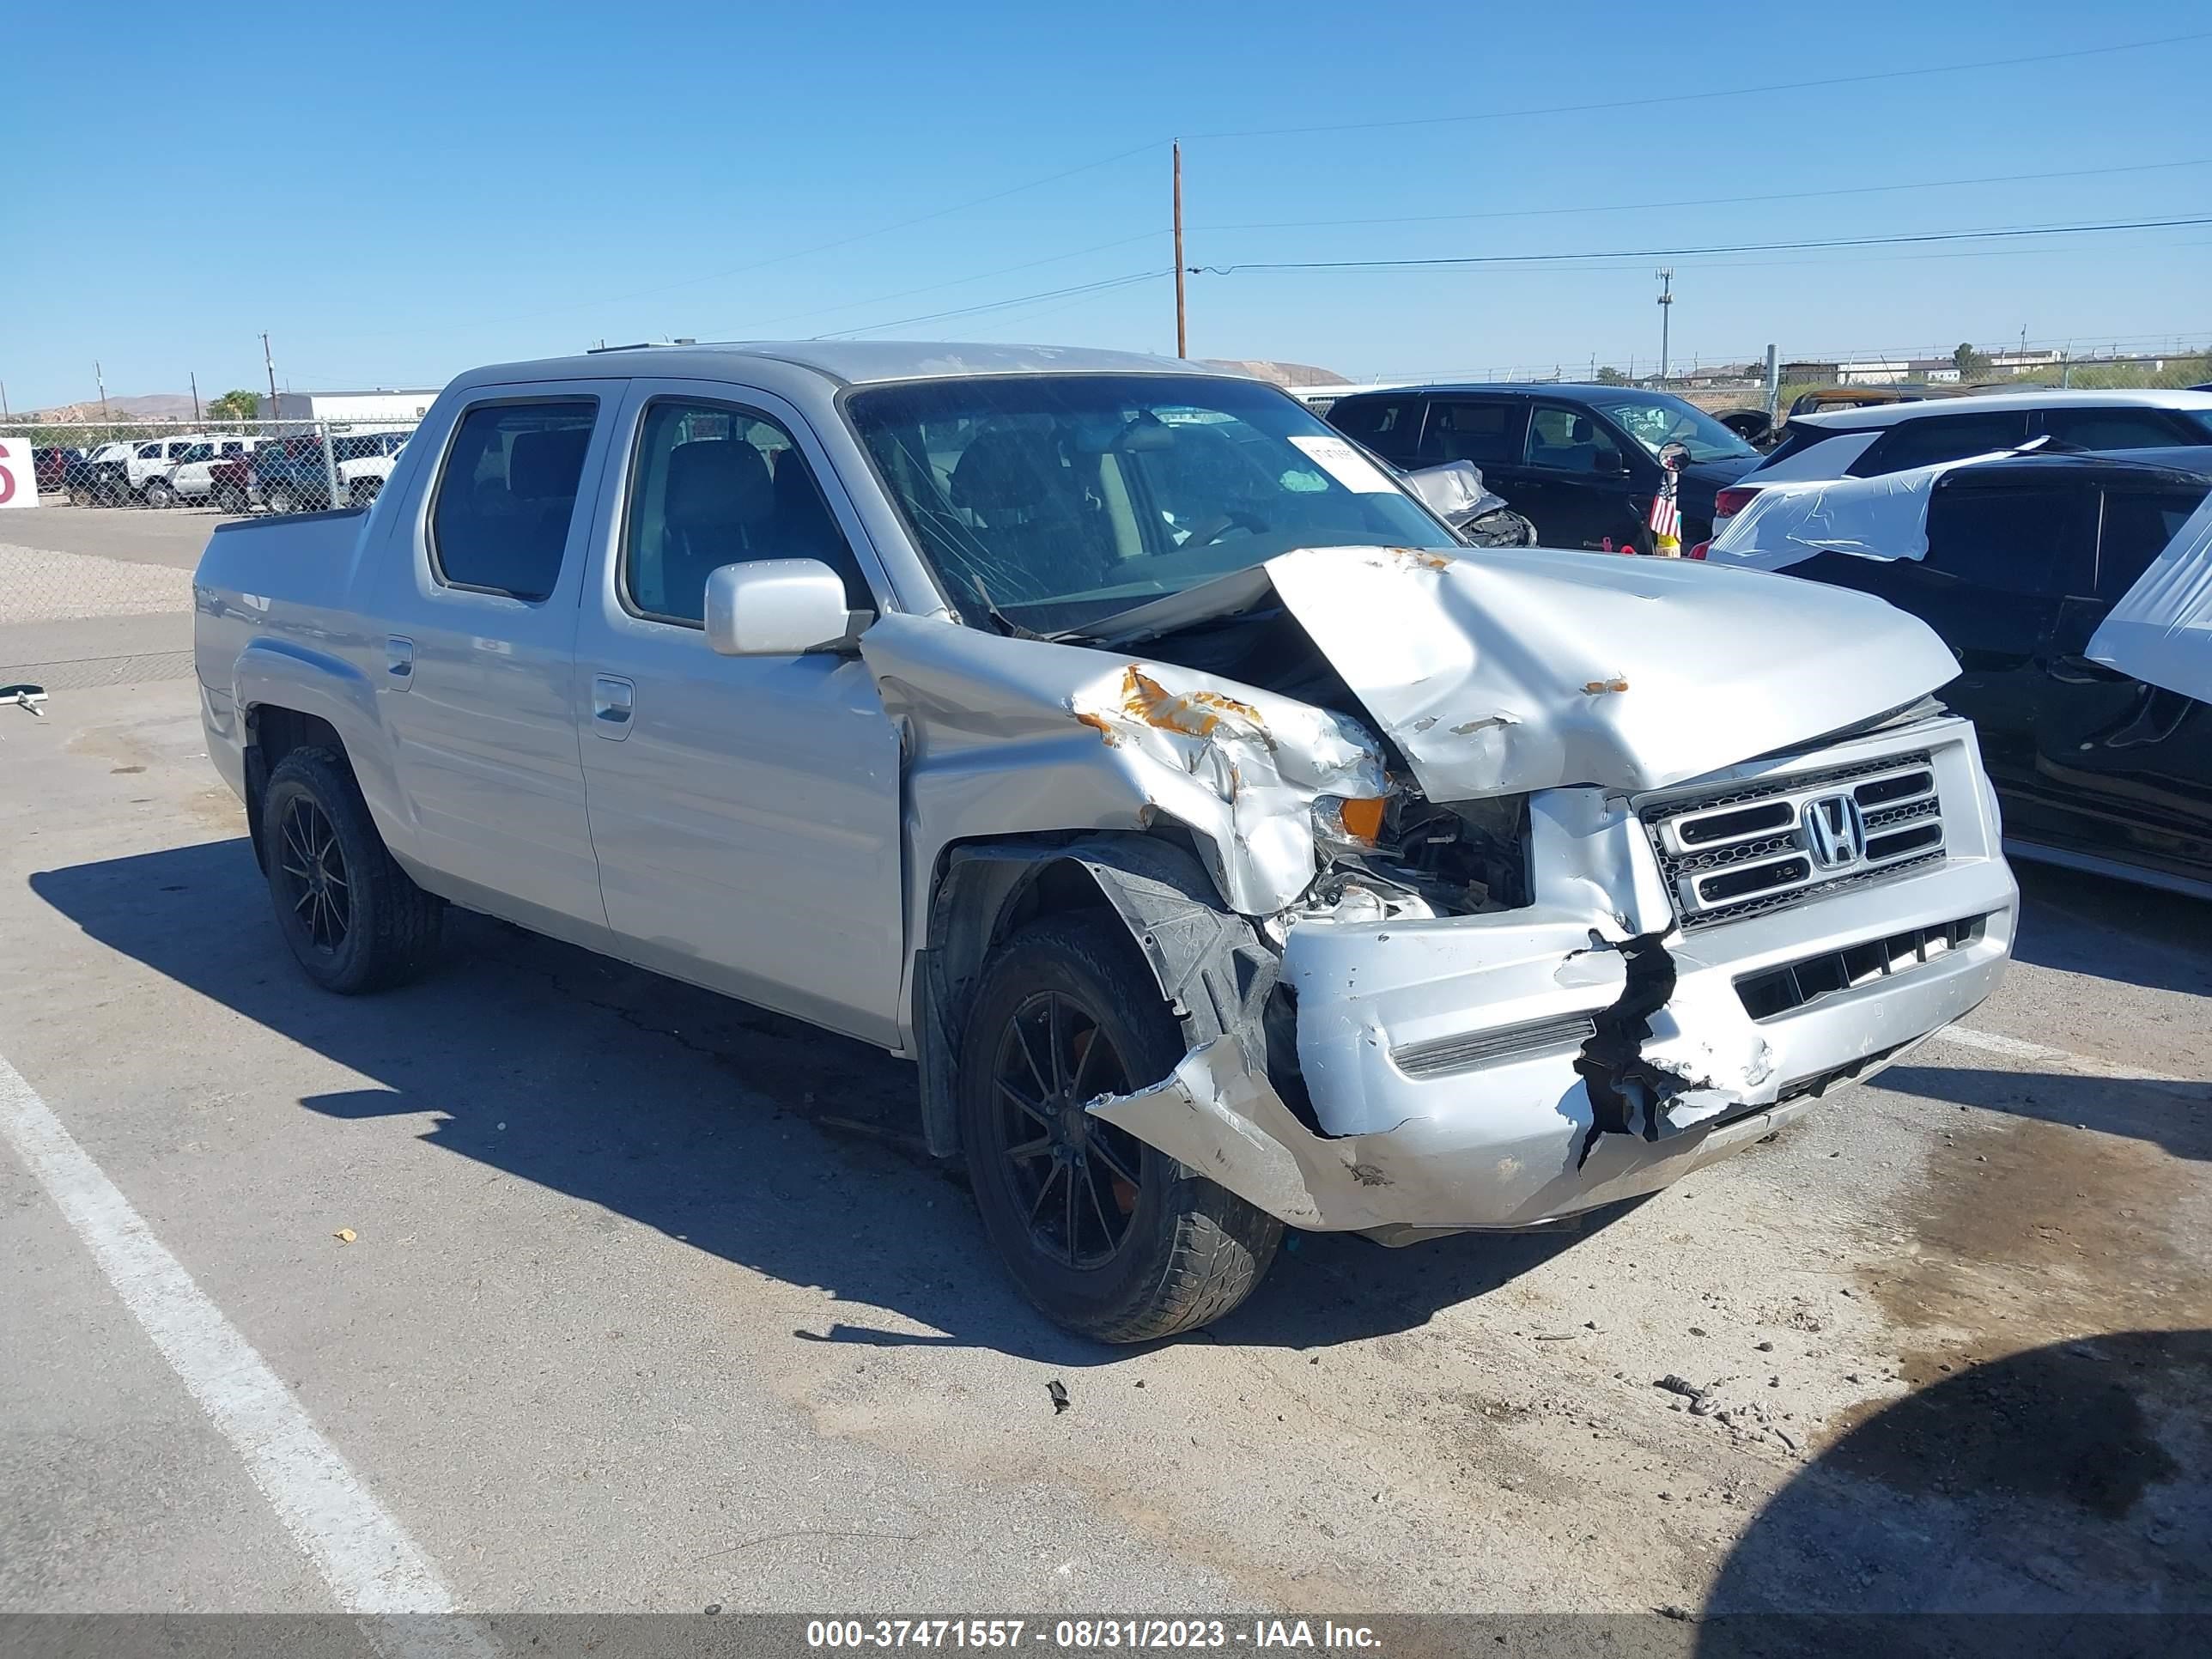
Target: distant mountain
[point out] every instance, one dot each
(159, 406)
(1280, 373)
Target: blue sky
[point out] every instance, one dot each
(396, 192)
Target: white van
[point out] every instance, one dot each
(150, 473)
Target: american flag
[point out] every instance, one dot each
(1666, 522)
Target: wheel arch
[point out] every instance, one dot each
(1212, 968)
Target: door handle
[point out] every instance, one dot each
(610, 706)
(2071, 669)
(399, 661)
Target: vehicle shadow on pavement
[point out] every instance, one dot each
(2067, 1480)
(2176, 1116)
(741, 1132)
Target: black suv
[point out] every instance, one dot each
(2026, 557)
(1580, 461)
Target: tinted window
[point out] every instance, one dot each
(2138, 524)
(1389, 425)
(1569, 441)
(2113, 429)
(2017, 541)
(508, 492)
(712, 485)
(1941, 438)
(1487, 433)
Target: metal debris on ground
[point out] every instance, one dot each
(1059, 1393)
(1675, 1384)
(25, 696)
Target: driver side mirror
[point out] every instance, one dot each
(778, 608)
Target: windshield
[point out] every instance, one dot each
(1655, 422)
(1054, 501)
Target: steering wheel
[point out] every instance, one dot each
(1210, 531)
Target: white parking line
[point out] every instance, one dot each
(364, 1555)
(1992, 1043)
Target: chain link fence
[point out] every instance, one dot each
(95, 589)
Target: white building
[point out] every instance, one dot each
(382, 407)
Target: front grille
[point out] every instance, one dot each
(1740, 852)
(1774, 992)
(1466, 1050)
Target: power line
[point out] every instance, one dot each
(1710, 201)
(958, 281)
(1001, 305)
(1610, 104)
(1690, 253)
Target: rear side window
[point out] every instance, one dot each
(2038, 541)
(2138, 524)
(500, 519)
(1487, 433)
(1938, 438)
(2114, 429)
(1391, 426)
(1571, 441)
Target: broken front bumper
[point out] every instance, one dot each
(1451, 1063)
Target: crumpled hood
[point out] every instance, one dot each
(1514, 670)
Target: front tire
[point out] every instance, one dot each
(353, 919)
(1109, 1236)
(280, 499)
(158, 494)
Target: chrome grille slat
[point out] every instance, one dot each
(1875, 818)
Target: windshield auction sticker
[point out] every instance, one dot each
(1344, 464)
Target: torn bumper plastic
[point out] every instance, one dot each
(1463, 1073)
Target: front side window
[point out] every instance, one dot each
(192, 453)
(2113, 429)
(500, 523)
(1569, 441)
(2137, 527)
(1655, 420)
(712, 484)
(2038, 541)
(1053, 501)
(149, 452)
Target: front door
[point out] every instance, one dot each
(745, 809)
(1578, 479)
(475, 674)
(2125, 768)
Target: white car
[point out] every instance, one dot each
(191, 476)
(150, 474)
(1866, 443)
(364, 461)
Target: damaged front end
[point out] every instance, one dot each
(1459, 968)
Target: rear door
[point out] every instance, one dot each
(475, 678)
(745, 809)
(2126, 767)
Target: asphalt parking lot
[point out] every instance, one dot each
(609, 1295)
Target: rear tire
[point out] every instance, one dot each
(1067, 1011)
(279, 499)
(353, 919)
(157, 493)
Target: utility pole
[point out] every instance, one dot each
(194, 377)
(1182, 336)
(269, 363)
(1666, 275)
(3, 400)
(102, 379)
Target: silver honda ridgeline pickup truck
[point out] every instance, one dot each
(1230, 846)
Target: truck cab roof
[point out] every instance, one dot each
(841, 363)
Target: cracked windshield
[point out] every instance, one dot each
(1048, 503)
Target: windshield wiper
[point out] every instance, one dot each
(1006, 624)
